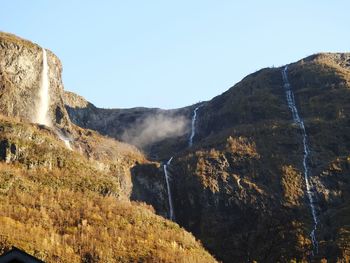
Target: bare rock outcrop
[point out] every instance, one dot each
(20, 73)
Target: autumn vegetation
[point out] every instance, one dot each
(71, 210)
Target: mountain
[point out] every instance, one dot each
(265, 173)
(64, 190)
(257, 174)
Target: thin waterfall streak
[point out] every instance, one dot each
(64, 139)
(309, 191)
(170, 200)
(193, 126)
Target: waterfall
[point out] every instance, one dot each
(67, 143)
(193, 126)
(65, 140)
(42, 111)
(298, 120)
(44, 97)
(171, 209)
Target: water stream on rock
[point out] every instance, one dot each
(296, 118)
(65, 140)
(44, 97)
(171, 209)
(42, 111)
(165, 166)
(193, 131)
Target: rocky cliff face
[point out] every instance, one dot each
(20, 73)
(240, 188)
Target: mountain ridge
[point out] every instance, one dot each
(247, 157)
(240, 188)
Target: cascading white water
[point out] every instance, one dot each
(67, 143)
(44, 97)
(300, 123)
(193, 130)
(171, 209)
(65, 140)
(42, 110)
(165, 166)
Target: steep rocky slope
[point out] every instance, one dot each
(71, 205)
(240, 188)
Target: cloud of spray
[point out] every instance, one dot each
(155, 128)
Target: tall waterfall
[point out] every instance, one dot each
(165, 166)
(44, 97)
(171, 209)
(42, 110)
(298, 120)
(193, 130)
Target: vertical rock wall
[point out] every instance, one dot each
(20, 72)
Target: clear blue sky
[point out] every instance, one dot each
(170, 54)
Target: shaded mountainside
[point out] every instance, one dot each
(134, 126)
(71, 205)
(240, 188)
